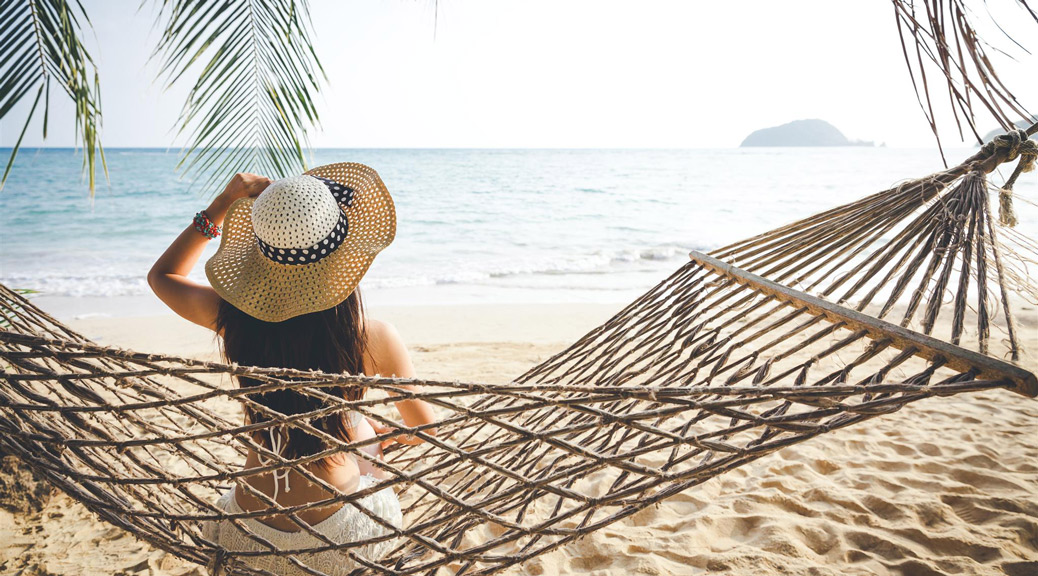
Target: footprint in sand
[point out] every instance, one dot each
(985, 481)
(968, 509)
(883, 508)
(876, 545)
(984, 462)
(900, 447)
(930, 449)
(825, 467)
(950, 545)
(818, 540)
(916, 568)
(1020, 568)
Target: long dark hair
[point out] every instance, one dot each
(331, 340)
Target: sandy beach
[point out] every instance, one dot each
(498, 180)
(945, 486)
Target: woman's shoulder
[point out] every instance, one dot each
(386, 348)
(380, 333)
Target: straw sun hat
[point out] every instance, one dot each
(304, 243)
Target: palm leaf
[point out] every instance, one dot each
(39, 46)
(255, 77)
(942, 34)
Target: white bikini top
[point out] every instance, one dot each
(353, 420)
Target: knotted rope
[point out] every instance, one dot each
(1018, 145)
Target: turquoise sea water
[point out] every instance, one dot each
(473, 225)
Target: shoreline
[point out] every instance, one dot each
(422, 325)
(80, 308)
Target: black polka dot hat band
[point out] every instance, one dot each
(287, 237)
(304, 243)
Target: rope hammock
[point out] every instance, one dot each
(757, 346)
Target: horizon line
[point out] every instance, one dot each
(174, 150)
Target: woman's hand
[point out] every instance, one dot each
(405, 439)
(244, 185)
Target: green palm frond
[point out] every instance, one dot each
(253, 100)
(40, 44)
(943, 34)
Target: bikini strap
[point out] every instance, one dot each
(277, 441)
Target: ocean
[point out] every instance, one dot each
(474, 226)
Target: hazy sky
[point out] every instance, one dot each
(559, 73)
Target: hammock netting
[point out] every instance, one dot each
(812, 327)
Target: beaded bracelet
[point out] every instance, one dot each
(206, 226)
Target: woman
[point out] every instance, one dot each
(284, 294)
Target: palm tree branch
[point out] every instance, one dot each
(41, 41)
(254, 79)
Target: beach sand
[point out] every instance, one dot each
(944, 486)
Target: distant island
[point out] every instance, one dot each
(801, 133)
(1021, 124)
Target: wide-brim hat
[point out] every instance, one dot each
(304, 243)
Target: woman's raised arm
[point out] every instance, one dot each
(168, 276)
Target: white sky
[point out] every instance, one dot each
(560, 73)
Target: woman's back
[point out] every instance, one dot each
(283, 294)
(344, 474)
